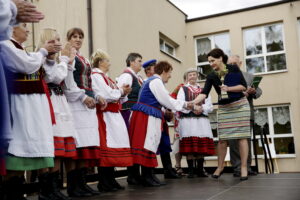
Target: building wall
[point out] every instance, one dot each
(278, 88)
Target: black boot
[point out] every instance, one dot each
(134, 177)
(55, 184)
(200, 169)
(46, 187)
(114, 181)
(82, 182)
(190, 168)
(155, 178)
(169, 172)
(105, 180)
(14, 188)
(147, 179)
(73, 187)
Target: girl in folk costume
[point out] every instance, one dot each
(81, 99)
(114, 141)
(234, 110)
(196, 138)
(31, 141)
(146, 120)
(56, 69)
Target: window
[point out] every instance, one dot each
(203, 47)
(276, 122)
(167, 47)
(264, 49)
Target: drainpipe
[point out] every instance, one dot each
(33, 34)
(90, 26)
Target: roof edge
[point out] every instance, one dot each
(241, 10)
(177, 8)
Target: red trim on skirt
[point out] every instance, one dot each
(196, 145)
(64, 147)
(111, 157)
(87, 153)
(137, 136)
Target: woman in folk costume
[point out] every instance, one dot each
(114, 141)
(146, 120)
(80, 96)
(196, 138)
(31, 141)
(56, 69)
(233, 110)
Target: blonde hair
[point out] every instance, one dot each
(45, 35)
(98, 56)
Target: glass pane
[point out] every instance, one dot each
(222, 42)
(281, 120)
(253, 44)
(259, 148)
(203, 48)
(204, 71)
(274, 38)
(161, 44)
(276, 62)
(284, 145)
(169, 49)
(261, 121)
(255, 65)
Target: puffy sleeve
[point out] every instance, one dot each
(101, 89)
(207, 106)
(56, 72)
(124, 79)
(162, 95)
(72, 91)
(19, 61)
(7, 18)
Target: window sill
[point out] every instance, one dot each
(273, 72)
(171, 56)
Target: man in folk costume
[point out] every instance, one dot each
(31, 141)
(146, 120)
(196, 138)
(131, 77)
(164, 148)
(114, 140)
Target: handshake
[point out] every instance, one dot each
(195, 108)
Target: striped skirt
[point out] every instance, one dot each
(234, 120)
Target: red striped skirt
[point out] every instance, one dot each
(111, 157)
(196, 145)
(137, 136)
(64, 147)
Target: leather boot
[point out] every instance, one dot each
(190, 168)
(83, 184)
(55, 184)
(46, 187)
(200, 169)
(114, 181)
(134, 177)
(73, 187)
(147, 179)
(156, 179)
(105, 180)
(169, 172)
(14, 188)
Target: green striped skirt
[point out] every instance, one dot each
(234, 120)
(20, 164)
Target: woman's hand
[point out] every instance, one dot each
(90, 102)
(197, 109)
(224, 88)
(69, 51)
(126, 89)
(27, 12)
(102, 102)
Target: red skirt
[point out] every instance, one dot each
(137, 136)
(196, 145)
(111, 157)
(64, 147)
(2, 162)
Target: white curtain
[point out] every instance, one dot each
(281, 115)
(261, 117)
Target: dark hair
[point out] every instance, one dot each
(131, 57)
(217, 53)
(162, 66)
(73, 31)
(148, 68)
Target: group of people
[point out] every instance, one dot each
(59, 107)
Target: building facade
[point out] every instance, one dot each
(267, 38)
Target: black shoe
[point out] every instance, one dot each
(202, 174)
(171, 174)
(117, 185)
(155, 179)
(73, 185)
(217, 176)
(133, 181)
(106, 188)
(190, 168)
(252, 173)
(244, 178)
(236, 174)
(147, 179)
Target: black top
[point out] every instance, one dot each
(234, 77)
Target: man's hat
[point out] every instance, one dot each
(149, 63)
